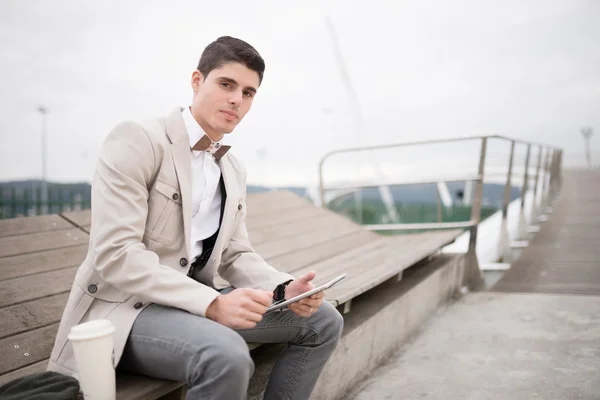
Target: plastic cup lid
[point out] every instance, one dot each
(92, 329)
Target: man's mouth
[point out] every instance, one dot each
(230, 115)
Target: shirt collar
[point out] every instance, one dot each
(194, 130)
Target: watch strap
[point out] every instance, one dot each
(279, 292)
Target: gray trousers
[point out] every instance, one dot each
(214, 360)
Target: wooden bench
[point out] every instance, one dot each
(40, 255)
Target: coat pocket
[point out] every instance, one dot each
(165, 216)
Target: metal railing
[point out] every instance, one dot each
(26, 202)
(547, 169)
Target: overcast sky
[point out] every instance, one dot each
(420, 69)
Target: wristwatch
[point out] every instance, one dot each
(279, 292)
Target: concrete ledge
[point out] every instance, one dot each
(381, 320)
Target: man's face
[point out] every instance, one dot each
(222, 99)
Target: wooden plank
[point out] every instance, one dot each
(26, 348)
(28, 370)
(36, 224)
(292, 228)
(18, 290)
(274, 201)
(43, 261)
(31, 315)
(435, 238)
(382, 267)
(13, 245)
(356, 267)
(257, 204)
(353, 262)
(79, 218)
(277, 218)
(377, 263)
(323, 250)
(305, 241)
(358, 257)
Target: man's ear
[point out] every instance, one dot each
(197, 80)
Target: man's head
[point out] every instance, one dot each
(228, 74)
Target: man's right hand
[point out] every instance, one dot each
(240, 308)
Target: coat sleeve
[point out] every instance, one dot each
(240, 265)
(119, 211)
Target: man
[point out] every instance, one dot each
(169, 261)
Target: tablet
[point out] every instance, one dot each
(284, 303)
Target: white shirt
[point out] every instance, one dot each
(206, 195)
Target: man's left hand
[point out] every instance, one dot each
(308, 305)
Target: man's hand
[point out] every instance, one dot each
(308, 305)
(240, 309)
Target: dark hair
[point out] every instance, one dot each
(228, 49)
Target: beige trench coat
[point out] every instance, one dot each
(139, 240)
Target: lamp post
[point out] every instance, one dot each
(587, 134)
(44, 200)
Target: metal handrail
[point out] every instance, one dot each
(430, 141)
(419, 226)
(403, 144)
(458, 178)
(550, 167)
(416, 143)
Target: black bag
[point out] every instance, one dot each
(47, 385)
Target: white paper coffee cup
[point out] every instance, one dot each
(93, 348)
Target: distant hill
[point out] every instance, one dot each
(85, 188)
(418, 193)
(26, 194)
(493, 193)
(300, 191)
(56, 191)
(24, 198)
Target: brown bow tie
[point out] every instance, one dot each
(216, 149)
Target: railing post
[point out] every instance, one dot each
(359, 206)
(534, 207)
(438, 204)
(504, 251)
(560, 169)
(321, 184)
(473, 277)
(554, 176)
(38, 200)
(13, 200)
(28, 202)
(522, 228)
(545, 191)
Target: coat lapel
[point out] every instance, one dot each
(180, 150)
(233, 194)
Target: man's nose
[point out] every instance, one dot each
(236, 98)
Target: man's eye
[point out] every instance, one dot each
(225, 84)
(248, 94)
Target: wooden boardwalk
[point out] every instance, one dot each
(39, 257)
(564, 257)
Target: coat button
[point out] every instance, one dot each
(175, 196)
(183, 262)
(138, 305)
(240, 207)
(92, 288)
